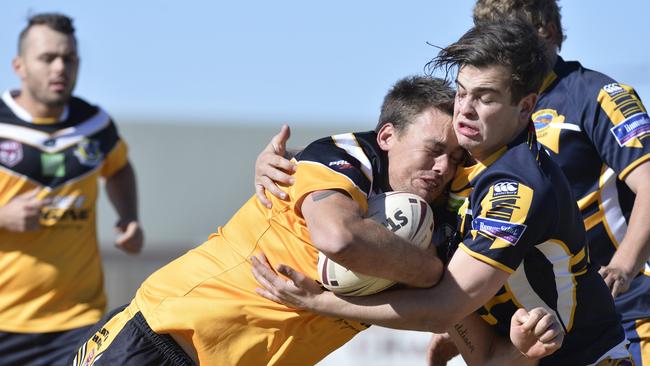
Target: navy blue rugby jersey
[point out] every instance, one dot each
(596, 130)
(520, 216)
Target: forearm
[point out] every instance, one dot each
(465, 286)
(339, 230)
(634, 250)
(479, 344)
(378, 253)
(397, 309)
(122, 193)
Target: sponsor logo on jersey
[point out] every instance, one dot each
(67, 201)
(505, 189)
(508, 231)
(340, 164)
(11, 153)
(88, 152)
(613, 89)
(53, 165)
(69, 216)
(634, 127)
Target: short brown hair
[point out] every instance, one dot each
(413, 95)
(55, 21)
(538, 12)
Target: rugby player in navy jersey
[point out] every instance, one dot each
(596, 130)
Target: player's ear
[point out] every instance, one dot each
(386, 136)
(18, 65)
(526, 105)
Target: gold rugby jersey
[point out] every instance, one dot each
(51, 279)
(519, 216)
(208, 296)
(597, 131)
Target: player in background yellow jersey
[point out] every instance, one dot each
(54, 148)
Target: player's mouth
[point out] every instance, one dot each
(429, 184)
(58, 85)
(467, 130)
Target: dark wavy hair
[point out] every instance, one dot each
(512, 43)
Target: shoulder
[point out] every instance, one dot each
(81, 111)
(518, 177)
(6, 114)
(575, 72)
(595, 86)
(360, 147)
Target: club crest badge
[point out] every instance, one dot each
(11, 153)
(89, 152)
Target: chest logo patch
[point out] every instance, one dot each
(89, 153)
(547, 136)
(11, 153)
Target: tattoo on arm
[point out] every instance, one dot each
(317, 196)
(462, 332)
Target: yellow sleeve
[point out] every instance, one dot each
(115, 160)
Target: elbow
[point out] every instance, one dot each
(334, 242)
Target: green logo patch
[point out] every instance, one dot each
(53, 165)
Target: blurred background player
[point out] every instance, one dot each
(53, 150)
(506, 236)
(595, 129)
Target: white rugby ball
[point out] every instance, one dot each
(406, 215)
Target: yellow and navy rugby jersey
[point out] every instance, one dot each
(520, 216)
(597, 131)
(207, 297)
(51, 279)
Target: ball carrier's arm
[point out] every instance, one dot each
(339, 230)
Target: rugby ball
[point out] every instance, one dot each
(406, 215)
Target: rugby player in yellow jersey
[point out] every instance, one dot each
(54, 149)
(205, 301)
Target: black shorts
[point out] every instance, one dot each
(121, 338)
(39, 349)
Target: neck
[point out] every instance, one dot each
(37, 109)
(552, 59)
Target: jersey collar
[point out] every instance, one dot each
(20, 112)
(465, 176)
